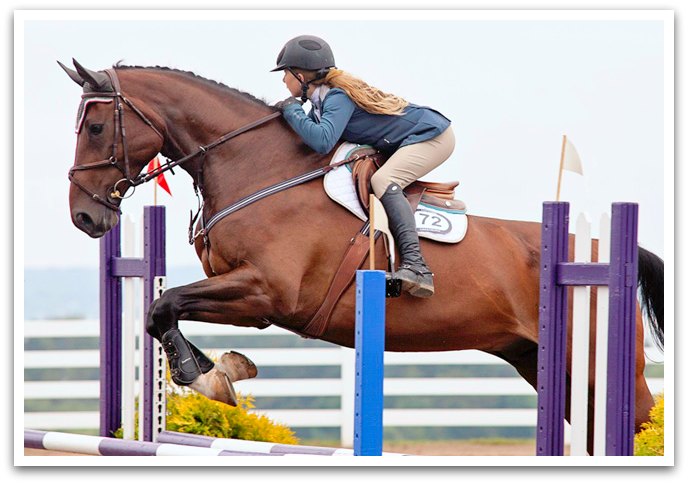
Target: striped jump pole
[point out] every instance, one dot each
(107, 446)
(370, 347)
(238, 445)
(556, 275)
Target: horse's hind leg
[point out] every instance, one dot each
(237, 297)
(643, 397)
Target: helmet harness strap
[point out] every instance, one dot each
(306, 84)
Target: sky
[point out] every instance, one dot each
(512, 88)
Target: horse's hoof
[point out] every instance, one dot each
(216, 385)
(237, 366)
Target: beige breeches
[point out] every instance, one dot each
(411, 162)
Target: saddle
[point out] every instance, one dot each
(368, 160)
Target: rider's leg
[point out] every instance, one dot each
(404, 167)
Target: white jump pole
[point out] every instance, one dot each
(602, 344)
(580, 345)
(128, 337)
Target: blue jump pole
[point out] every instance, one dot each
(370, 347)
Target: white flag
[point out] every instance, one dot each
(572, 161)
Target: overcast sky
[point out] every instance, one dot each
(511, 86)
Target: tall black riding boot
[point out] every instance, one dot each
(416, 278)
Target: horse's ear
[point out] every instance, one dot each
(98, 81)
(73, 75)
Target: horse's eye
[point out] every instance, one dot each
(95, 129)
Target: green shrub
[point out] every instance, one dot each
(192, 413)
(650, 440)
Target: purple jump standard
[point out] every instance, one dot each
(556, 275)
(113, 267)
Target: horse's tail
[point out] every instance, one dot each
(651, 284)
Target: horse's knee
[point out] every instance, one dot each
(162, 315)
(151, 328)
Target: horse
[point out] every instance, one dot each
(273, 261)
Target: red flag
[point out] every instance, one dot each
(160, 179)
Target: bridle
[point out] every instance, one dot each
(120, 135)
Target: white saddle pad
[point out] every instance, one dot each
(442, 225)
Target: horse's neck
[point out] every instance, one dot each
(255, 160)
(196, 114)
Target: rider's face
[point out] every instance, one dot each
(293, 84)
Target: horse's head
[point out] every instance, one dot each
(115, 141)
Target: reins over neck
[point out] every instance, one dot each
(146, 177)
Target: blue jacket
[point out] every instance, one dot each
(341, 118)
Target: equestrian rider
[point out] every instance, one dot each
(418, 138)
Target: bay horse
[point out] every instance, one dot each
(272, 262)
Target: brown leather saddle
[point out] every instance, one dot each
(369, 160)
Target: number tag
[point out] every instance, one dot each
(432, 221)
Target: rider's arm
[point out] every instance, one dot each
(336, 111)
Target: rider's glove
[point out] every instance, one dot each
(287, 102)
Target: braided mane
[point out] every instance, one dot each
(191, 75)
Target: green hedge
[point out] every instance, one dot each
(193, 413)
(650, 440)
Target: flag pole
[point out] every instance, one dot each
(155, 193)
(371, 210)
(561, 166)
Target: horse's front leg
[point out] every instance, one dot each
(239, 297)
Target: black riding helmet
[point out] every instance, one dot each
(306, 52)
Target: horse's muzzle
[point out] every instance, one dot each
(84, 222)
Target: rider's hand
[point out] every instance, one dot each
(287, 102)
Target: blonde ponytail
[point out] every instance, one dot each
(366, 97)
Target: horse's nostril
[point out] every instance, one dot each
(84, 221)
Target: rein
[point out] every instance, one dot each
(146, 177)
(120, 135)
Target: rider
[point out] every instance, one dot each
(418, 138)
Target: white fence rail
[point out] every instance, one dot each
(292, 387)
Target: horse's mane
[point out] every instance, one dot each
(191, 75)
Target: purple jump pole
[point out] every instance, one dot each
(551, 370)
(154, 252)
(556, 275)
(110, 335)
(623, 279)
(112, 268)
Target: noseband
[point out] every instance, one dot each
(120, 134)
